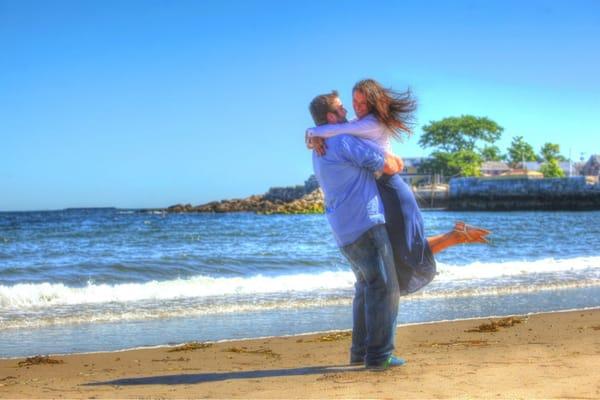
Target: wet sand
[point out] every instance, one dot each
(554, 355)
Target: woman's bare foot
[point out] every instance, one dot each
(470, 234)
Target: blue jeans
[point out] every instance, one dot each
(375, 305)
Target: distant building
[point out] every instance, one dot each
(521, 173)
(530, 165)
(592, 166)
(494, 168)
(569, 169)
(410, 174)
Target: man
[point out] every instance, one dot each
(354, 210)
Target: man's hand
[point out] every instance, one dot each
(392, 164)
(317, 144)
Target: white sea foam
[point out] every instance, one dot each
(86, 315)
(493, 270)
(47, 294)
(92, 314)
(575, 271)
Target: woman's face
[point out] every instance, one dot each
(359, 103)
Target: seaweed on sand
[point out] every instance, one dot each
(495, 325)
(265, 352)
(190, 346)
(36, 360)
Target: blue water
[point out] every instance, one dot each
(108, 279)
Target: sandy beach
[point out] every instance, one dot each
(553, 355)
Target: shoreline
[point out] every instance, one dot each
(294, 335)
(548, 354)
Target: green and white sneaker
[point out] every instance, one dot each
(391, 362)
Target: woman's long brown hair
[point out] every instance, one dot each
(393, 109)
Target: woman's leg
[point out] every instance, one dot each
(413, 252)
(405, 225)
(413, 258)
(462, 233)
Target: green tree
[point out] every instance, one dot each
(551, 169)
(455, 140)
(551, 151)
(491, 153)
(520, 151)
(468, 162)
(460, 163)
(459, 133)
(438, 163)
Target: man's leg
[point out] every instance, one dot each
(358, 254)
(371, 258)
(359, 326)
(382, 301)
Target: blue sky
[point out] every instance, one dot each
(152, 103)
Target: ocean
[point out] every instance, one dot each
(87, 280)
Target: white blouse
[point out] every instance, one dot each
(365, 128)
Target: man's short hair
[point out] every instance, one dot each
(321, 105)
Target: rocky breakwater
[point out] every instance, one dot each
(497, 194)
(300, 199)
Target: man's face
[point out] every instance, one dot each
(339, 113)
(359, 103)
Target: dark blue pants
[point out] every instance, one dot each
(413, 259)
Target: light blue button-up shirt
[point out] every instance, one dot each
(345, 173)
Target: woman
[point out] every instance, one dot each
(382, 114)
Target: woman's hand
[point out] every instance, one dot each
(317, 144)
(392, 164)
